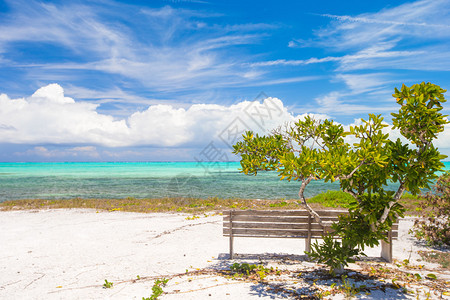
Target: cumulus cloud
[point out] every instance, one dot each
(48, 116)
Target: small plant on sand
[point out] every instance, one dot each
(107, 284)
(248, 270)
(157, 289)
(349, 289)
(244, 268)
(312, 149)
(332, 253)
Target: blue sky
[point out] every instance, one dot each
(169, 80)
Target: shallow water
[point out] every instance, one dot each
(145, 180)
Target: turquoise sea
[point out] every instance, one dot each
(145, 180)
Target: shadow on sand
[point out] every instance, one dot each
(309, 280)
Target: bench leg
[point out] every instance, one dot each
(231, 246)
(308, 245)
(231, 234)
(308, 238)
(386, 248)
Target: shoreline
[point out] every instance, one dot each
(188, 205)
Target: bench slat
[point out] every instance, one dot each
(294, 220)
(276, 219)
(266, 236)
(270, 236)
(288, 224)
(286, 212)
(271, 232)
(274, 225)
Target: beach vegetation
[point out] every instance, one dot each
(332, 199)
(107, 284)
(279, 204)
(438, 257)
(434, 224)
(202, 205)
(157, 289)
(363, 159)
(252, 271)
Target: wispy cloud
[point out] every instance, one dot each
(359, 60)
(337, 103)
(411, 36)
(171, 49)
(411, 23)
(387, 22)
(299, 62)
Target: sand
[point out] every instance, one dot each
(68, 254)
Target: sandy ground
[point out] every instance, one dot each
(67, 254)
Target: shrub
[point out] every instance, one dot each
(434, 225)
(363, 160)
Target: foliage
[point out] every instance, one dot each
(157, 289)
(332, 253)
(258, 272)
(107, 284)
(321, 150)
(348, 288)
(242, 268)
(434, 226)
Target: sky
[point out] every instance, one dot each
(180, 80)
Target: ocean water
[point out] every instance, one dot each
(146, 180)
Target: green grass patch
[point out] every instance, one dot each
(185, 205)
(332, 199)
(329, 199)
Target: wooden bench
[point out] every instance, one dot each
(297, 224)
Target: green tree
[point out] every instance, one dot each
(362, 159)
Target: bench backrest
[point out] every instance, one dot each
(280, 223)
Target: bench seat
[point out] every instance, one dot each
(288, 224)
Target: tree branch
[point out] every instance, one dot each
(352, 172)
(387, 209)
(311, 211)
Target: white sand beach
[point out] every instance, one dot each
(68, 254)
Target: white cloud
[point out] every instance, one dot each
(381, 21)
(48, 116)
(364, 59)
(285, 62)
